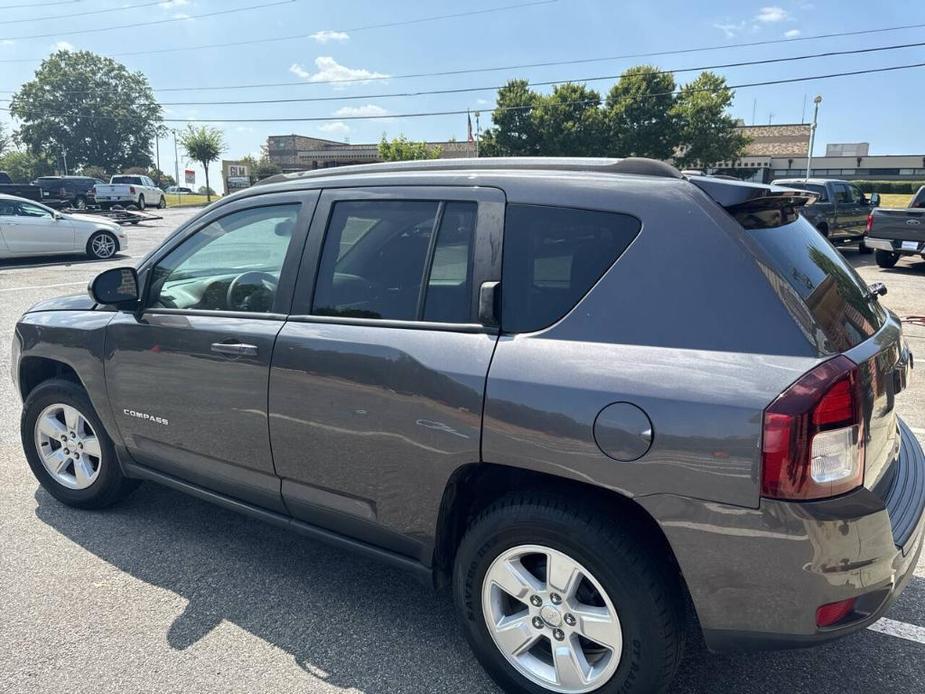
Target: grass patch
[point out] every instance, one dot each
(894, 199)
(188, 200)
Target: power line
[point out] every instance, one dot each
(276, 39)
(463, 90)
(445, 73)
(423, 114)
(113, 27)
(32, 4)
(82, 14)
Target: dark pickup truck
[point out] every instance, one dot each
(840, 210)
(895, 232)
(22, 190)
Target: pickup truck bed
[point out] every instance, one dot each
(20, 190)
(897, 232)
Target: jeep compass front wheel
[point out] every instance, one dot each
(67, 448)
(555, 599)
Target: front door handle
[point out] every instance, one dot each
(234, 349)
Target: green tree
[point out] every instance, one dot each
(568, 122)
(403, 149)
(708, 133)
(265, 167)
(514, 131)
(640, 117)
(4, 140)
(250, 161)
(23, 166)
(205, 145)
(94, 172)
(161, 180)
(90, 108)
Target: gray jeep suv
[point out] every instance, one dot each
(597, 399)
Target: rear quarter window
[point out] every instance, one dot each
(819, 287)
(552, 257)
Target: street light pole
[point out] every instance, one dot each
(478, 133)
(812, 136)
(176, 164)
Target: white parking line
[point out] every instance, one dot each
(901, 630)
(42, 286)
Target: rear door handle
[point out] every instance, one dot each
(234, 349)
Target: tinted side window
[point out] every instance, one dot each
(377, 254)
(552, 257)
(842, 194)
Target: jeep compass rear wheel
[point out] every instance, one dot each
(554, 599)
(67, 448)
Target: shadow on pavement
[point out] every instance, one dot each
(360, 624)
(52, 260)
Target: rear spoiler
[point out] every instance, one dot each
(753, 205)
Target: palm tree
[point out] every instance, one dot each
(205, 145)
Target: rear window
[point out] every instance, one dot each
(819, 287)
(131, 180)
(552, 256)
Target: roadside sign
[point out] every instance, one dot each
(189, 177)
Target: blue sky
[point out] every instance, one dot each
(883, 109)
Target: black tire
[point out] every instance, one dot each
(141, 202)
(643, 587)
(80, 202)
(110, 484)
(863, 248)
(886, 259)
(96, 252)
(163, 203)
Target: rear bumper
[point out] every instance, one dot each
(757, 576)
(895, 246)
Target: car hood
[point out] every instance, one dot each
(73, 302)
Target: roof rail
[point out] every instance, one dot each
(631, 165)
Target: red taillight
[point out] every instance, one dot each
(870, 223)
(834, 612)
(813, 435)
(131, 189)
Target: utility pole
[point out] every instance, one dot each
(64, 158)
(812, 137)
(176, 164)
(157, 153)
(478, 133)
(754, 109)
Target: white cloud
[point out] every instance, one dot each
(336, 128)
(7, 42)
(299, 71)
(482, 102)
(730, 30)
(181, 15)
(329, 70)
(62, 46)
(170, 4)
(367, 110)
(328, 35)
(792, 34)
(772, 14)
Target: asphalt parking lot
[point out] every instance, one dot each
(165, 593)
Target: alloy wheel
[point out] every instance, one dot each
(68, 446)
(551, 619)
(103, 246)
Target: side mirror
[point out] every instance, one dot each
(489, 300)
(875, 199)
(116, 287)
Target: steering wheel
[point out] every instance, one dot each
(251, 291)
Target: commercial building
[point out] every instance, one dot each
(301, 153)
(779, 151)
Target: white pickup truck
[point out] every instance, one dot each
(126, 191)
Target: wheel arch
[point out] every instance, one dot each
(474, 487)
(33, 371)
